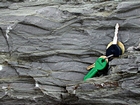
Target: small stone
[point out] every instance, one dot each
(137, 48)
(130, 49)
(13, 6)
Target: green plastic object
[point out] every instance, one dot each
(100, 64)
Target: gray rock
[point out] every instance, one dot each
(122, 7)
(47, 45)
(14, 6)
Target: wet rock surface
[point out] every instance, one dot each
(46, 46)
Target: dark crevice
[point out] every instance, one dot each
(33, 25)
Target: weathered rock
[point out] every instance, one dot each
(47, 45)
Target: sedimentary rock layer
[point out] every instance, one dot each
(45, 47)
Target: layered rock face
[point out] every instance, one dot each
(46, 45)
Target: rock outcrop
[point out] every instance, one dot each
(46, 46)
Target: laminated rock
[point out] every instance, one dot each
(46, 47)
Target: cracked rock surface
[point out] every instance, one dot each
(46, 45)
